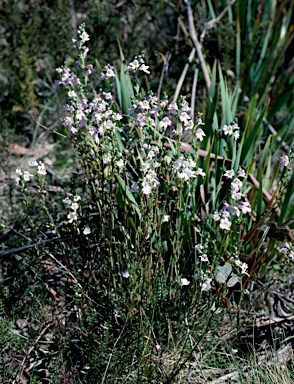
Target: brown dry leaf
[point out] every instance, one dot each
(18, 149)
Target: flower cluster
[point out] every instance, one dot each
(73, 202)
(107, 72)
(231, 130)
(288, 250)
(187, 168)
(138, 64)
(150, 180)
(203, 256)
(26, 175)
(232, 210)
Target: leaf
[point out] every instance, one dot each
(233, 281)
(129, 194)
(223, 272)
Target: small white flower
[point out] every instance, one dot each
(237, 195)
(144, 68)
(236, 184)
(236, 135)
(27, 176)
(146, 188)
(241, 173)
(18, 172)
(125, 274)
(245, 207)
(107, 159)
(67, 200)
(235, 211)
(242, 266)
(77, 198)
(72, 216)
(87, 230)
(71, 94)
(200, 172)
(200, 122)
(134, 65)
(284, 161)
(84, 37)
(41, 169)
(184, 117)
(204, 257)
(216, 216)
(225, 223)
(110, 72)
(165, 218)
(199, 134)
(184, 281)
(229, 174)
(120, 163)
(75, 206)
(227, 130)
(165, 123)
(198, 247)
(33, 163)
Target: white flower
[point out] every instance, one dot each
(184, 281)
(84, 37)
(229, 174)
(27, 176)
(284, 161)
(237, 195)
(245, 207)
(235, 211)
(199, 122)
(216, 216)
(72, 216)
(33, 163)
(41, 169)
(18, 172)
(144, 68)
(227, 130)
(199, 134)
(134, 65)
(225, 223)
(87, 230)
(184, 117)
(146, 188)
(200, 172)
(204, 257)
(120, 163)
(236, 135)
(242, 266)
(236, 184)
(165, 123)
(110, 72)
(172, 108)
(77, 198)
(125, 274)
(198, 247)
(241, 173)
(165, 218)
(67, 200)
(71, 94)
(107, 159)
(75, 206)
